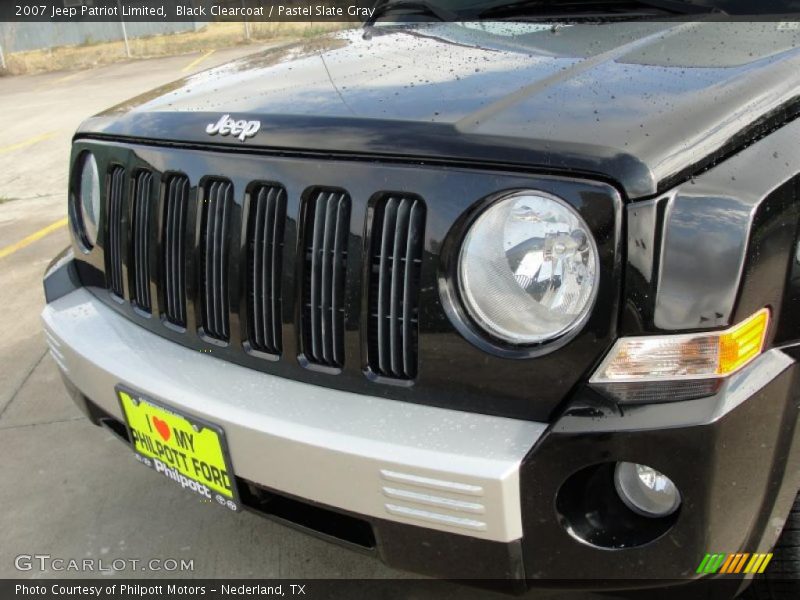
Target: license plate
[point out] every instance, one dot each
(189, 451)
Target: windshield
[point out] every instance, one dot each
(732, 7)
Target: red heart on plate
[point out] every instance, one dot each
(162, 428)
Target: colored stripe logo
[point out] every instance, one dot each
(741, 562)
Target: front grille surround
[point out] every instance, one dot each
(453, 371)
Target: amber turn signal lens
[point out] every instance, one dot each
(740, 345)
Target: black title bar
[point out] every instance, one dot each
(338, 10)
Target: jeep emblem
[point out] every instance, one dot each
(227, 126)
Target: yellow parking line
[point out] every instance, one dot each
(197, 61)
(49, 83)
(29, 142)
(32, 238)
(67, 77)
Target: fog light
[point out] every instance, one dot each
(646, 491)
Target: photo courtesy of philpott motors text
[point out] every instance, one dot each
(69, 591)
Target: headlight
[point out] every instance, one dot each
(528, 268)
(88, 200)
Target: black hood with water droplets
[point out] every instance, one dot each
(640, 104)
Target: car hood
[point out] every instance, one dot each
(639, 104)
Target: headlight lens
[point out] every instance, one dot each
(89, 199)
(528, 268)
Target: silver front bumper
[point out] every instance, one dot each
(432, 467)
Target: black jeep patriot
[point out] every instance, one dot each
(515, 297)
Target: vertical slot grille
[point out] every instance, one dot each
(216, 209)
(116, 193)
(265, 228)
(327, 225)
(140, 240)
(395, 262)
(176, 201)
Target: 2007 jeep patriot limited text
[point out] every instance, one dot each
(488, 299)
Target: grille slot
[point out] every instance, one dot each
(327, 225)
(116, 193)
(140, 242)
(176, 203)
(395, 263)
(216, 209)
(265, 229)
